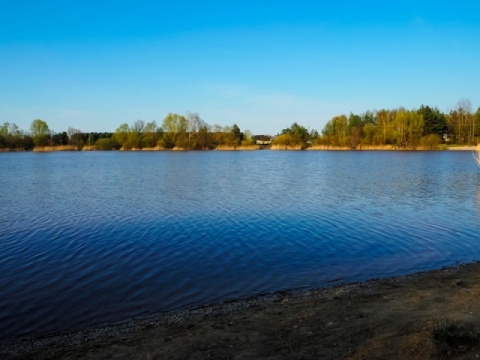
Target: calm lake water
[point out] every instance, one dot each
(88, 238)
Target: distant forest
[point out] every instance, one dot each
(426, 128)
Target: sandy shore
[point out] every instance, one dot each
(427, 315)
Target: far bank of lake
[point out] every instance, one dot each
(250, 148)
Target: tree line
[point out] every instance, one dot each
(187, 132)
(425, 127)
(11, 137)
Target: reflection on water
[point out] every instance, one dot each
(89, 238)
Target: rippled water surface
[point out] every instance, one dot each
(95, 237)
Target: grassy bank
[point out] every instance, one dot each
(285, 147)
(55, 148)
(463, 148)
(156, 148)
(238, 148)
(254, 147)
(12, 149)
(391, 148)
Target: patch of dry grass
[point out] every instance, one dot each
(156, 148)
(238, 148)
(55, 148)
(451, 338)
(11, 149)
(286, 147)
(328, 147)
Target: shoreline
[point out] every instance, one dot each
(396, 317)
(48, 149)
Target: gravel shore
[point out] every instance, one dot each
(428, 315)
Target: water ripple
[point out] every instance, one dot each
(101, 237)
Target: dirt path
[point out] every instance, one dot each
(428, 315)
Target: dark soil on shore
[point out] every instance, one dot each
(430, 315)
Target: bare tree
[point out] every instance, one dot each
(138, 126)
(71, 131)
(194, 125)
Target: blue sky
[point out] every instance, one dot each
(93, 65)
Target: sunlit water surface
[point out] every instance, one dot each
(96, 237)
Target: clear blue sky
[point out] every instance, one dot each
(263, 65)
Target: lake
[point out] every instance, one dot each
(88, 238)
